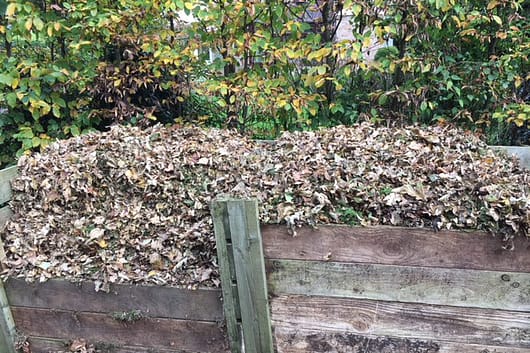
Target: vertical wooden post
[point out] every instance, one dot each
(228, 280)
(7, 324)
(5, 183)
(242, 223)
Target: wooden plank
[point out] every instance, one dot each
(250, 273)
(5, 214)
(396, 246)
(147, 332)
(154, 301)
(7, 324)
(310, 341)
(227, 272)
(466, 288)
(412, 321)
(47, 345)
(6, 175)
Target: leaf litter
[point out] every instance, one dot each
(132, 205)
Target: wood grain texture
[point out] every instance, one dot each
(154, 301)
(228, 276)
(189, 336)
(250, 275)
(7, 324)
(439, 286)
(411, 321)
(47, 345)
(5, 183)
(309, 341)
(396, 246)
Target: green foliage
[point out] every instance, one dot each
(128, 316)
(447, 61)
(350, 216)
(69, 67)
(450, 61)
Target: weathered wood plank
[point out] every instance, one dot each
(146, 332)
(227, 271)
(412, 321)
(465, 288)
(396, 246)
(250, 273)
(7, 324)
(47, 345)
(310, 341)
(154, 301)
(5, 183)
(5, 214)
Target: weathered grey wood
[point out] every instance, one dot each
(396, 246)
(5, 214)
(47, 345)
(7, 324)
(311, 341)
(155, 301)
(250, 274)
(6, 175)
(520, 152)
(465, 288)
(195, 336)
(227, 272)
(412, 321)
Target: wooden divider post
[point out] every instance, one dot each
(243, 280)
(7, 324)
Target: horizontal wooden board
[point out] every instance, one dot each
(189, 336)
(47, 345)
(310, 341)
(439, 286)
(5, 183)
(412, 321)
(396, 246)
(153, 301)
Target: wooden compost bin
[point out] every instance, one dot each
(388, 289)
(127, 319)
(374, 289)
(331, 289)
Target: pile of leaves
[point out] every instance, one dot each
(132, 205)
